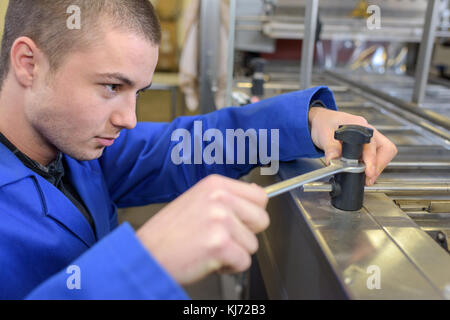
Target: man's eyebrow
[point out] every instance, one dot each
(122, 78)
(117, 76)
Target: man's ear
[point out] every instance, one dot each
(24, 54)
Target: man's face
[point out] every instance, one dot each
(84, 105)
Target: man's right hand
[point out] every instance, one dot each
(210, 227)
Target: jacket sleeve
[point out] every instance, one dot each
(139, 168)
(116, 268)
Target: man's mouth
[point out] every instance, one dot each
(107, 141)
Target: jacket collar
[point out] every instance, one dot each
(13, 170)
(54, 169)
(88, 182)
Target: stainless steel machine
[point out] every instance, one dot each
(401, 235)
(397, 245)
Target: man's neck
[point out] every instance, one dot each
(16, 128)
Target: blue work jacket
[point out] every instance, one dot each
(45, 242)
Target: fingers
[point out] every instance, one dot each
(233, 258)
(226, 218)
(333, 148)
(369, 158)
(243, 236)
(250, 192)
(231, 243)
(254, 217)
(386, 151)
(376, 155)
(225, 253)
(236, 217)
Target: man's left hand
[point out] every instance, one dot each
(376, 155)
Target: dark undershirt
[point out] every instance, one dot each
(55, 174)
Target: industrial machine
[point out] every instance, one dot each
(395, 245)
(400, 235)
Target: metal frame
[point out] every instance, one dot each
(209, 44)
(433, 117)
(426, 50)
(230, 62)
(307, 61)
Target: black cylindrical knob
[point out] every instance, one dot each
(258, 65)
(348, 188)
(353, 138)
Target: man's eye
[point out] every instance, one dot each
(112, 88)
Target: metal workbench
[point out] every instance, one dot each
(312, 250)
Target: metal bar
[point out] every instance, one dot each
(431, 116)
(288, 86)
(386, 187)
(425, 52)
(307, 61)
(433, 165)
(392, 128)
(440, 81)
(209, 43)
(230, 61)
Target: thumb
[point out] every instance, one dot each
(332, 150)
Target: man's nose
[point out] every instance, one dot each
(125, 115)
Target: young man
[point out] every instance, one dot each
(66, 96)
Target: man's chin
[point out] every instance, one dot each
(87, 156)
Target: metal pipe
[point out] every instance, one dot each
(392, 128)
(230, 61)
(311, 12)
(431, 116)
(386, 187)
(209, 43)
(434, 165)
(425, 51)
(288, 86)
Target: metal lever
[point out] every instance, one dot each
(336, 166)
